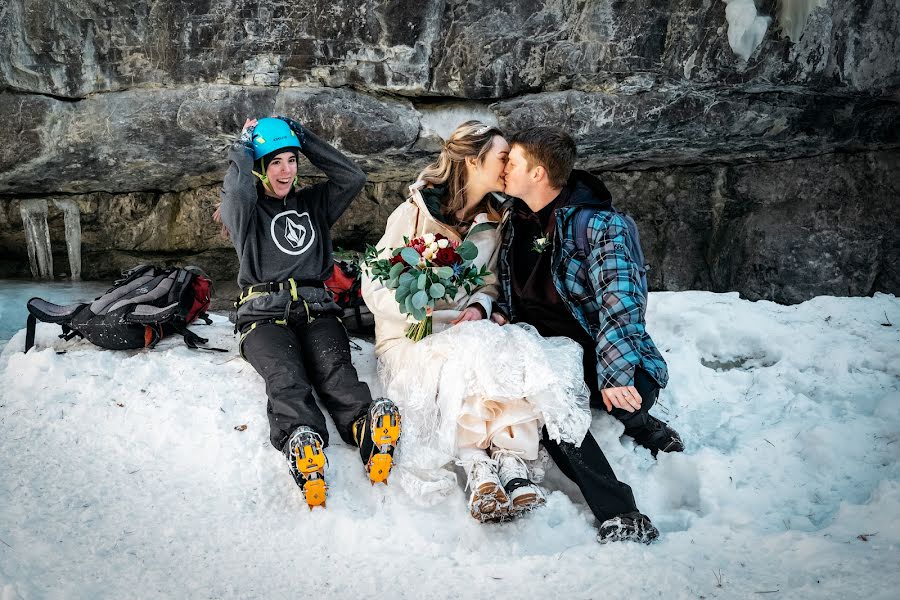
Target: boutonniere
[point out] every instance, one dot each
(540, 244)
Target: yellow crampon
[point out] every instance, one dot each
(310, 462)
(385, 433)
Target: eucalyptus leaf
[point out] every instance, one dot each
(437, 290)
(444, 272)
(396, 270)
(422, 282)
(410, 256)
(405, 278)
(467, 250)
(419, 299)
(418, 314)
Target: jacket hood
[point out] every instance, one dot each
(587, 190)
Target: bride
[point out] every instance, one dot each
(472, 393)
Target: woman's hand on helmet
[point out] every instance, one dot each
(294, 125)
(246, 137)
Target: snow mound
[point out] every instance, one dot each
(124, 475)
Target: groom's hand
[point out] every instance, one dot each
(626, 398)
(498, 318)
(473, 313)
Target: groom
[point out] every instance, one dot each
(590, 294)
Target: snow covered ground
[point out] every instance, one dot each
(123, 476)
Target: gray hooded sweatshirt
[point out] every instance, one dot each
(291, 238)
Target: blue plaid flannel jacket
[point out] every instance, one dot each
(601, 291)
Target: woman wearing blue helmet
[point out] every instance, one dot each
(288, 320)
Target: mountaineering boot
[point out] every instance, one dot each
(629, 527)
(307, 461)
(376, 433)
(523, 494)
(488, 500)
(655, 435)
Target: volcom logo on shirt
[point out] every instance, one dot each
(293, 232)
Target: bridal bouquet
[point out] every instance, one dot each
(426, 269)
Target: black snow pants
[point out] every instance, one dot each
(296, 358)
(587, 466)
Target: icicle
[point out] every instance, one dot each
(746, 28)
(37, 237)
(793, 14)
(73, 235)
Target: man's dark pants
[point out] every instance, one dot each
(587, 466)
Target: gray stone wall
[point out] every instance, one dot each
(774, 176)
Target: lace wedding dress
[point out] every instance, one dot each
(471, 369)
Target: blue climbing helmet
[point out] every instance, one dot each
(271, 135)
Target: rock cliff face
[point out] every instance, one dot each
(773, 176)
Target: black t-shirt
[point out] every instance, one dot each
(535, 296)
(536, 300)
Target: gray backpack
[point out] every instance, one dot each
(142, 307)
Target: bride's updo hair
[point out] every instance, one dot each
(472, 138)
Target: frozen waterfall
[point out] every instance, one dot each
(73, 235)
(37, 236)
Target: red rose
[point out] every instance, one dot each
(395, 259)
(447, 257)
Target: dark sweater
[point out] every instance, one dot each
(536, 299)
(280, 239)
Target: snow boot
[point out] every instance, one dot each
(656, 436)
(307, 461)
(376, 433)
(523, 494)
(488, 500)
(629, 527)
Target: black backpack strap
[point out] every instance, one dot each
(147, 314)
(192, 340)
(68, 333)
(183, 277)
(30, 326)
(581, 234)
